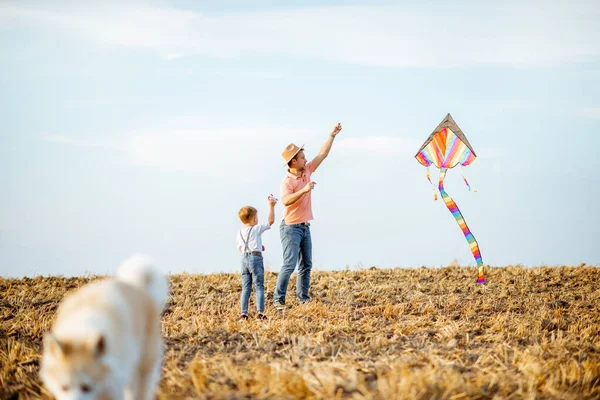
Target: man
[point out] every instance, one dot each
(296, 192)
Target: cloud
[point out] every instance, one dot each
(519, 34)
(229, 153)
(215, 152)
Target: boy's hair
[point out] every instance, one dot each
(247, 213)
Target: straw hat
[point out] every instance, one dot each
(290, 152)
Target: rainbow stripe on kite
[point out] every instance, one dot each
(473, 245)
(445, 148)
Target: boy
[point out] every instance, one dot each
(249, 243)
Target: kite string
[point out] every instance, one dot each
(453, 208)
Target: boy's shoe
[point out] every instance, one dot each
(261, 316)
(243, 317)
(279, 305)
(304, 301)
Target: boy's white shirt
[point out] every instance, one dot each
(255, 239)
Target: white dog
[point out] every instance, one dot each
(106, 342)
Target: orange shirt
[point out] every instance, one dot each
(301, 210)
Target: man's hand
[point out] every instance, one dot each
(336, 129)
(309, 186)
(291, 198)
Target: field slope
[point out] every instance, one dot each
(368, 334)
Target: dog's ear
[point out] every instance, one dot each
(52, 345)
(98, 345)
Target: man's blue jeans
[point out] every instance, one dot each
(297, 249)
(253, 270)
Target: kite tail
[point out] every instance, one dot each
(435, 196)
(463, 225)
(465, 179)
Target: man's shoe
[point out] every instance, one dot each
(243, 317)
(279, 305)
(261, 316)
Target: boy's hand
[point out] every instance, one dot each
(272, 200)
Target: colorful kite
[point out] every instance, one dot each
(446, 147)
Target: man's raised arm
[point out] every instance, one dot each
(324, 151)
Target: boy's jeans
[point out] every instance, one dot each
(297, 249)
(253, 270)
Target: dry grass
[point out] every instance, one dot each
(370, 334)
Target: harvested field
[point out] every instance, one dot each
(369, 334)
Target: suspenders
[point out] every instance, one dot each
(246, 248)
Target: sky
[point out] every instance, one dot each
(143, 126)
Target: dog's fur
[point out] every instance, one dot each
(106, 342)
